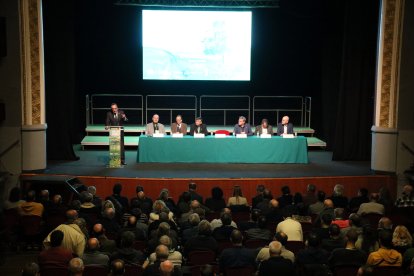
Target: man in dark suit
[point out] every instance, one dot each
(192, 188)
(284, 127)
(237, 256)
(276, 262)
(179, 126)
(198, 127)
(264, 128)
(117, 117)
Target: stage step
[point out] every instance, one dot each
(140, 129)
(134, 141)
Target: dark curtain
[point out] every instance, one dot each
(357, 81)
(61, 105)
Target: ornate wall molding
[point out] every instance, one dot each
(31, 33)
(388, 63)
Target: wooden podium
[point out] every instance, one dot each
(115, 146)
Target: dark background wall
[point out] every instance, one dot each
(93, 46)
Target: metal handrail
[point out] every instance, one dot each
(93, 108)
(277, 110)
(225, 109)
(308, 111)
(170, 109)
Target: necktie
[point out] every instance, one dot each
(178, 128)
(198, 129)
(155, 126)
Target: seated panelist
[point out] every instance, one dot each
(284, 127)
(154, 126)
(264, 128)
(179, 126)
(198, 127)
(242, 127)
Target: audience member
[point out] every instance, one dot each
(76, 267)
(287, 254)
(193, 220)
(166, 268)
(365, 270)
(184, 202)
(259, 195)
(31, 269)
(93, 256)
(335, 240)
(14, 199)
(56, 256)
(107, 246)
(96, 200)
(386, 199)
(174, 256)
(117, 267)
(169, 202)
(161, 253)
(109, 222)
(224, 231)
(368, 241)
(236, 256)
(309, 197)
(356, 202)
(286, 198)
(158, 207)
(350, 255)
(354, 223)
(264, 205)
(131, 226)
(338, 198)
(385, 255)
(372, 207)
(407, 197)
(276, 262)
(339, 218)
(126, 252)
(323, 230)
(291, 227)
(116, 197)
(312, 258)
(30, 207)
(385, 223)
(402, 239)
(252, 222)
(192, 189)
(217, 222)
(317, 207)
(163, 229)
(260, 232)
(237, 198)
(203, 240)
(74, 238)
(144, 202)
(216, 202)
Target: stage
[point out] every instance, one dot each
(91, 169)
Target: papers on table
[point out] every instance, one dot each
(158, 135)
(288, 136)
(241, 135)
(265, 135)
(199, 135)
(220, 135)
(177, 135)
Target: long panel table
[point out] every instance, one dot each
(222, 150)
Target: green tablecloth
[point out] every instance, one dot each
(222, 150)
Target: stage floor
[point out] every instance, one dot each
(93, 162)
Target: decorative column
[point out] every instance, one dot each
(33, 86)
(385, 132)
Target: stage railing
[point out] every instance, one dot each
(222, 99)
(150, 107)
(296, 105)
(308, 111)
(102, 102)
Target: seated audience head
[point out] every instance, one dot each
(57, 199)
(93, 244)
(163, 229)
(326, 219)
(166, 267)
(200, 212)
(164, 194)
(226, 219)
(56, 238)
(87, 197)
(194, 204)
(260, 189)
(30, 196)
(217, 193)
(328, 203)
(163, 217)
(313, 240)
(15, 194)
(321, 196)
(274, 204)
(117, 267)
(82, 225)
(339, 213)
(109, 213)
(352, 236)
(275, 248)
(185, 197)
(71, 215)
(161, 252)
(402, 236)
(140, 191)
(236, 237)
(334, 230)
(204, 228)
(385, 239)
(385, 223)
(338, 190)
(267, 194)
(76, 267)
(281, 237)
(192, 186)
(237, 191)
(92, 190)
(44, 195)
(207, 270)
(127, 239)
(97, 230)
(117, 189)
(285, 190)
(363, 192)
(132, 221)
(354, 220)
(75, 205)
(107, 204)
(311, 188)
(194, 219)
(158, 206)
(167, 241)
(374, 197)
(31, 269)
(407, 190)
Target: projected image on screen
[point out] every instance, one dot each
(196, 45)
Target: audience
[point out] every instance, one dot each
(31, 269)
(334, 241)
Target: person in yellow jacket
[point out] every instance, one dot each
(385, 255)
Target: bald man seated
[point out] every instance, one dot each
(284, 127)
(93, 256)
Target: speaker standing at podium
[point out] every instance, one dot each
(117, 117)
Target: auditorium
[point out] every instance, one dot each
(186, 137)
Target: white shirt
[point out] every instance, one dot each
(291, 228)
(285, 129)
